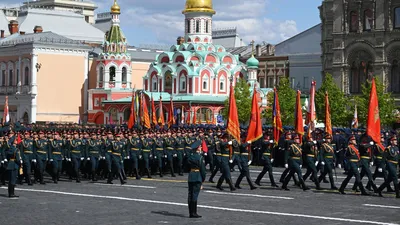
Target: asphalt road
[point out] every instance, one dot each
(163, 201)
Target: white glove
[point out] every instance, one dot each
(104, 157)
(316, 163)
(340, 166)
(301, 166)
(140, 157)
(175, 155)
(151, 155)
(249, 163)
(230, 143)
(230, 161)
(20, 161)
(371, 143)
(272, 160)
(214, 153)
(359, 169)
(82, 158)
(323, 163)
(249, 142)
(5, 160)
(286, 166)
(205, 153)
(128, 157)
(165, 156)
(51, 160)
(2, 162)
(380, 170)
(69, 159)
(271, 141)
(155, 157)
(371, 164)
(88, 158)
(315, 142)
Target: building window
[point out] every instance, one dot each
(188, 25)
(18, 77)
(353, 21)
(306, 83)
(3, 78)
(359, 75)
(182, 83)
(124, 75)
(26, 76)
(395, 78)
(205, 83)
(154, 84)
(101, 74)
(168, 81)
(222, 83)
(368, 20)
(10, 77)
(112, 74)
(197, 26)
(396, 17)
(87, 19)
(261, 81)
(96, 102)
(207, 28)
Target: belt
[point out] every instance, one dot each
(266, 153)
(30, 152)
(43, 152)
(244, 153)
(236, 153)
(328, 157)
(295, 157)
(353, 160)
(95, 152)
(12, 160)
(76, 151)
(135, 149)
(309, 155)
(379, 157)
(180, 149)
(146, 150)
(109, 151)
(170, 148)
(394, 162)
(365, 157)
(160, 149)
(116, 153)
(194, 170)
(225, 155)
(57, 153)
(218, 154)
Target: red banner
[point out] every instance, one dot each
(255, 128)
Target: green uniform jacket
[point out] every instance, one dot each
(197, 168)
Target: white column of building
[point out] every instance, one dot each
(85, 86)
(34, 90)
(106, 83)
(118, 78)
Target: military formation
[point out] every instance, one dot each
(28, 154)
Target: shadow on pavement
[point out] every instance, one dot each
(165, 213)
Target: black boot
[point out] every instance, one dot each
(190, 209)
(362, 189)
(219, 184)
(78, 177)
(303, 185)
(41, 179)
(195, 210)
(161, 173)
(94, 177)
(148, 173)
(121, 178)
(137, 174)
(231, 185)
(11, 192)
(172, 171)
(110, 178)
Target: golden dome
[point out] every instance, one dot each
(199, 6)
(115, 9)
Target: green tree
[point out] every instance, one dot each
(243, 102)
(340, 110)
(287, 102)
(385, 101)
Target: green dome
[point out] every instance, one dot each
(252, 62)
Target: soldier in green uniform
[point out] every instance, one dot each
(310, 150)
(225, 160)
(353, 157)
(196, 177)
(170, 144)
(147, 152)
(93, 149)
(108, 150)
(56, 156)
(293, 162)
(209, 156)
(76, 155)
(235, 156)
(217, 158)
(328, 155)
(180, 151)
(244, 162)
(117, 155)
(3, 162)
(28, 153)
(366, 161)
(42, 155)
(159, 153)
(134, 147)
(14, 162)
(392, 157)
(267, 147)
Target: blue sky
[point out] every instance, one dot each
(161, 21)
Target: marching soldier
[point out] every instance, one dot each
(311, 152)
(196, 177)
(93, 149)
(56, 156)
(244, 162)
(170, 144)
(180, 151)
(225, 160)
(209, 156)
(217, 158)
(14, 162)
(28, 153)
(147, 146)
(76, 155)
(117, 155)
(267, 147)
(392, 157)
(366, 161)
(42, 155)
(159, 153)
(134, 147)
(327, 160)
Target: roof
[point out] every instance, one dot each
(4, 23)
(65, 23)
(44, 38)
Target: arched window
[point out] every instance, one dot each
(10, 77)
(112, 74)
(101, 74)
(353, 21)
(188, 26)
(168, 81)
(26, 76)
(182, 83)
(113, 115)
(127, 114)
(205, 83)
(395, 78)
(197, 26)
(368, 20)
(154, 84)
(222, 83)
(396, 18)
(207, 28)
(360, 73)
(124, 75)
(3, 77)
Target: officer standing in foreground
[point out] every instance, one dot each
(196, 177)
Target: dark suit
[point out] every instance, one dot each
(196, 177)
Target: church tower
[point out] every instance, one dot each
(198, 21)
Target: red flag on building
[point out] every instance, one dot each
(276, 116)
(299, 126)
(132, 116)
(146, 119)
(328, 124)
(153, 112)
(255, 128)
(161, 120)
(171, 118)
(233, 119)
(373, 121)
(6, 116)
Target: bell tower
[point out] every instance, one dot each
(198, 21)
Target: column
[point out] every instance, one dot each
(85, 86)
(34, 90)
(19, 74)
(106, 83)
(118, 78)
